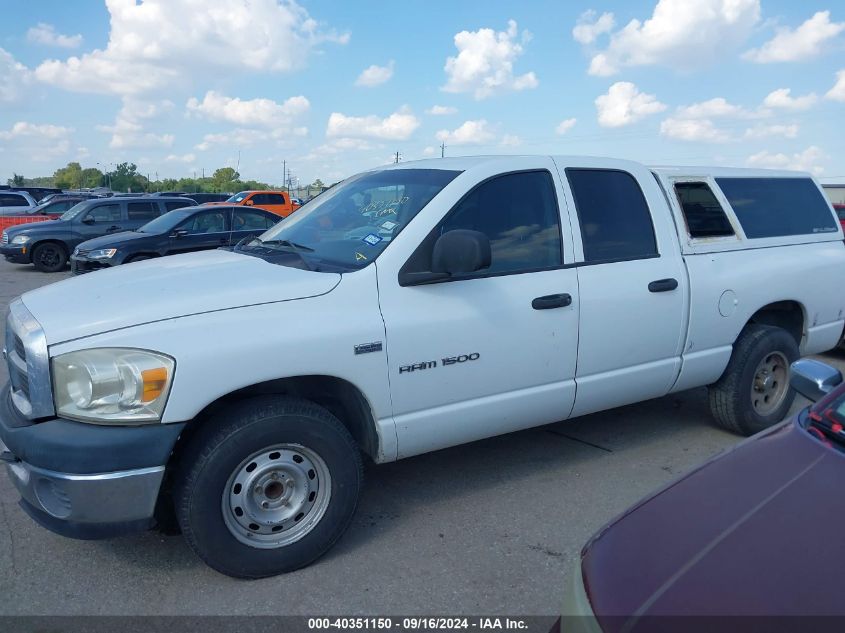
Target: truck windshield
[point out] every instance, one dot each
(238, 197)
(348, 226)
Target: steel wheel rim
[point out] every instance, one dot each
(770, 383)
(276, 496)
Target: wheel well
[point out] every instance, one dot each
(788, 315)
(58, 243)
(340, 397)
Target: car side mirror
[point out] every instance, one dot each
(179, 233)
(813, 379)
(88, 220)
(460, 251)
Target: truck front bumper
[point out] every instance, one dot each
(82, 480)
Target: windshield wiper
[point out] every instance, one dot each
(287, 247)
(289, 244)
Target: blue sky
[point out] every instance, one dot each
(331, 87)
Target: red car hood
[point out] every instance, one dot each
(756, 531)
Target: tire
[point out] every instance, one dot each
(267, 434)
(49, 257)
(749, 398)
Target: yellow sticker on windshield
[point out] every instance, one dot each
(360, 257)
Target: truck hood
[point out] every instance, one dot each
(167, 288)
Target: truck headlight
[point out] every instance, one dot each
(102, 253)
(112, 385)
(20, 239)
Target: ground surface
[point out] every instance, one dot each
(488, 528)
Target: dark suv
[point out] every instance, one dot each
(49, 244)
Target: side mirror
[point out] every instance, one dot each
(88, 220)
(813, 379)
(460, 252)
(179, 233)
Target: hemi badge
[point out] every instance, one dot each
(366, 348)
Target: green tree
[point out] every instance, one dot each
(317, 184)
(69, 177)
(125, 177)
(16, 180)
(224, 179)
(91, 177)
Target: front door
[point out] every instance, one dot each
(202, 231)
(493, 351)
(633, 288)
(98, 221)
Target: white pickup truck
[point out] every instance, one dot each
(407, 309)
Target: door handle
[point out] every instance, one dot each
(663, 285)
(552, 301)
(112, 229)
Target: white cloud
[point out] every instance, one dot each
(680, 34)
(184, 158)
(150, 47)
(439, 110)
(695, 130)
(128, 128)
(484, 64)
(564, 126)
(243, 137)
(625, 104)
(38, 141)
(511, 140)
(375, 75)
(783, 99)
(765, 131)
(712, 108)
(808, 160)
(802, 43)
(46, 34)
(429, 151)
(837, 93)
(589, 27)
(15, 78)
(249, 113)
(398, 126)
(469, 133)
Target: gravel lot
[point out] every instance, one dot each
(493, 527)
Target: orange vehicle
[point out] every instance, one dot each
(278, 202)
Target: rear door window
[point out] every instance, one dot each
(614, 215)
(144, 211)
(702, 211)
(777, 207)
(245, 220)
(105, 213)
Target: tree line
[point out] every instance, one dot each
(125, 177)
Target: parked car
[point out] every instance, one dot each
(37, 193)
(203, 198)
(840, 213)
(181, 231)
(740, 535)
(279, 202)
(57, 205)
(48, 245)
(16, 202)
(435, 303)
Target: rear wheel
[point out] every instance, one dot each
(49, 257)
(754, 392)
(267, 487)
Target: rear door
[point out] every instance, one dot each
(632, 283)
(249, 223)
(202, 231)
(139, 213)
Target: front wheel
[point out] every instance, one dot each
(754, 392)
(267, 487)
(49, 257)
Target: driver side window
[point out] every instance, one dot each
(105, 213)
(519, 215)
(213, 222)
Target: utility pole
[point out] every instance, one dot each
(284, 172)
(443, 149)
(397, 158)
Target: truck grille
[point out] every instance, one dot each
(28, 363)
